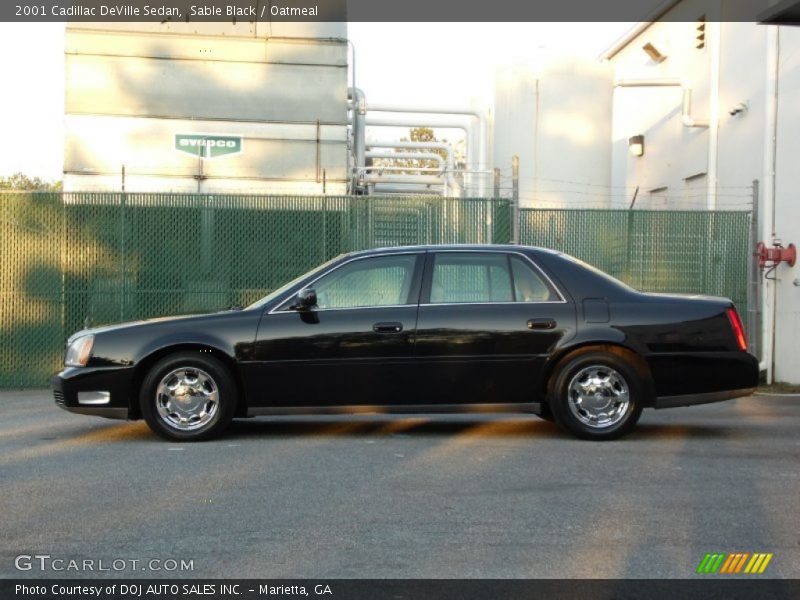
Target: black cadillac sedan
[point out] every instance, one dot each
(430, 329)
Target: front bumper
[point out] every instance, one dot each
(100, 391)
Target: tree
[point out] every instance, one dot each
(21, 182)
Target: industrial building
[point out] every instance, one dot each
(702, 109)
(275, 109)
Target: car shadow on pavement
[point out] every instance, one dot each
(646, 431)
(378, 426)
(489, 428)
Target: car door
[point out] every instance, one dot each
(355, 347)
(487, 322)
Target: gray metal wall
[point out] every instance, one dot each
(132, 87)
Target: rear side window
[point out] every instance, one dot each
(476, 277)
(529, 286)
(470, 277)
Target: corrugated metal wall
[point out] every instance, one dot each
(67, 260)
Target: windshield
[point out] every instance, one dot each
(287, 286)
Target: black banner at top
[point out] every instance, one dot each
(181, 11)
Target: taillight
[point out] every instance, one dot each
(736, 325)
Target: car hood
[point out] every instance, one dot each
(144, 323)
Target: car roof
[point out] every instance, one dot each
(435, 247)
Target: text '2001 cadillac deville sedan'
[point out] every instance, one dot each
(431, 329)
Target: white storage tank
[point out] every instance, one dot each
(557, 119)
(206, 107)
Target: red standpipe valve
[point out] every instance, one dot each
(775, 255)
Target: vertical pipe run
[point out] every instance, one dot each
(754, 283)
(358, 105)
(767, 204)
(515, 198)
(122, 203)
(63, 266)
(715, 31)
(318, 153)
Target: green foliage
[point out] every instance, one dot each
(21, 182)
(422, 134)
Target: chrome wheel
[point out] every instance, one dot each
(187, 398)
(598, 396)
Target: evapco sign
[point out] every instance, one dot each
(208, 146)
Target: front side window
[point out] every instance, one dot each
(377, 281)
(475, 277)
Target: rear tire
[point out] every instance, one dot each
(596, 395)
(188, 396)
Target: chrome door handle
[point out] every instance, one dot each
(387, 327)
(542, 324)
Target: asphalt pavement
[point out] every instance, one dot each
(394, 497)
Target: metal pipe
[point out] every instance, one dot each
(453, 182)
(382, 188)
(754, 293)
(398, 178)
(454, 186)
(319, 157)
(714, 33)
(381, 168)
(359, 107)
(515, 199)
(415, 122)
(408, 155)
(686, 110)
(447, 148)
(483, 131)
(648, 83)
(769, 298)
(474, 141)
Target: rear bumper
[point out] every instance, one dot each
(707, 398)
(98, 391)
(698, 375)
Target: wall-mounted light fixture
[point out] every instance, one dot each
(636, 145)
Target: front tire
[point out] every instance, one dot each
(188, 397)
(596, 395)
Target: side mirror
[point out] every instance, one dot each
(305, 299)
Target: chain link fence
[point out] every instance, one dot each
(68, 261)
(687, 252)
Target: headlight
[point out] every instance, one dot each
(79, 351)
